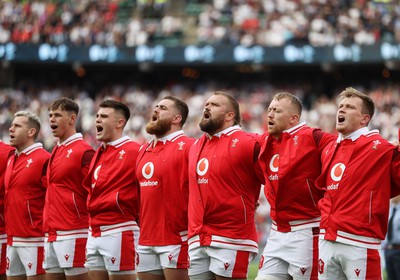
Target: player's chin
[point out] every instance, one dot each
(99, 137)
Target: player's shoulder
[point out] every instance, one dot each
(81, 145)
(185, 139)
(377, 140)
(5, 149)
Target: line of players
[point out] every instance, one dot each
(75, 213)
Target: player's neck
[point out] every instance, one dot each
(67, 135)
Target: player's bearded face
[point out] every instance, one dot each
(211, 124)
(158, 127)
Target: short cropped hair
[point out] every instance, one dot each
(33, 120)
(368, 104)
(292, 98)
(118, 107)
(234, 104)
(181, 106)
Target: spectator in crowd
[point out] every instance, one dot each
(224, 182)
(5, 152)
(113, 201)
(392, 241)
(164, 189)
(290, 160)
(65, 212)
(25, 189)
(360, 173)
(267, 23)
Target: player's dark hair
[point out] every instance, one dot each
(64, 104)
(117, 106)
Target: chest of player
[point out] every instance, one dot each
(24, 171)
(292, 152)
(220, 155)
(113, 163)
(161, 165)
(64, 160)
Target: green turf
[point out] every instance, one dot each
(253, 270)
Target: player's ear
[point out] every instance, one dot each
(177, 119)
(73, 118)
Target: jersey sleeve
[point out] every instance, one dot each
(86, 160)
(44, 174)
(395, 174)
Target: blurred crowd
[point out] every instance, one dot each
(253, 99)
(247, 22)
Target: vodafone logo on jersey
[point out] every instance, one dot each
(274, 163)
(148, 170)
(336, 175)
(96, 175)
(201, 169)
(274, 167)
(337, 171)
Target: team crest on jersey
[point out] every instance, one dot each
(148, 170)
(234, 142)
(202, 167)
(121, 154)
(181, 144)
(376, 143)
(337, 171)
(296, 140)
(29, 162)
(69, 152)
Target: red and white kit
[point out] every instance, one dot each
(224, 184)
(164, 192)
(25, 188)
(65, 211)
(114, 194)
(360, 174)
(291, 164)
(113, 206)
(356, 203)
(5, 152)
(162, 175)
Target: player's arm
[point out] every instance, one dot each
(395, 170)
(257, 167)
(44, 173)
(86, 160)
